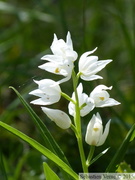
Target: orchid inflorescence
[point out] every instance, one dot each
(61, 62)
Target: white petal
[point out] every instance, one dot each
(91, 77)
(90, 64)
(54, 68)
(50, 67)
(108, 103)
(64, 79)
(94, 67)
(71, 55)
(102, 63)
(99, 117)
(38, 102)
(69, 41)
(89, 105)
(71, 108)
(59, 117)
(88, 136)
(46, 100)
(80, 89)
(54, 44)
(49, 86)
(37, 92)
(105, 134)
(83, 58)
(53, 58)
(101, 87)
(96, 132)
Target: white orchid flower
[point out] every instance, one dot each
(94, 133)
(102, 98)
(89, 66)
(61, 62)
(59, 117)
(62, 68)
(86, 104)
(48, 92)
(64, 49)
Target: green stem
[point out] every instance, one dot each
(90, 155)
(77, 122)
(73, 128)
(82, 155)
(67, 97)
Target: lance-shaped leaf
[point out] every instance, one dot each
(46, 152)
(49, 174)
(49, 141)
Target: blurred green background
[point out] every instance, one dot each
(26, 33)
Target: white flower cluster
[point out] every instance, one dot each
(61, 62)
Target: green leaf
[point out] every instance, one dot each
(46, 152)
(49, 174)
(18, 168)
(133, 136)
(120, 152)
(49, 141)
(2, 168)
(98, 156)
(124, 168)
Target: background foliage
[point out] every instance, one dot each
(26, 33)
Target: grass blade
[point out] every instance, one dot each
(2, 167)
(46, 152)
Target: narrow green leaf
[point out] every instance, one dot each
(49, 173)
(2, 168)
(46, 135)
(120, 152)
(133, 136)
(19, 166)
(38, 122)
(46, 152)
(98, 156)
